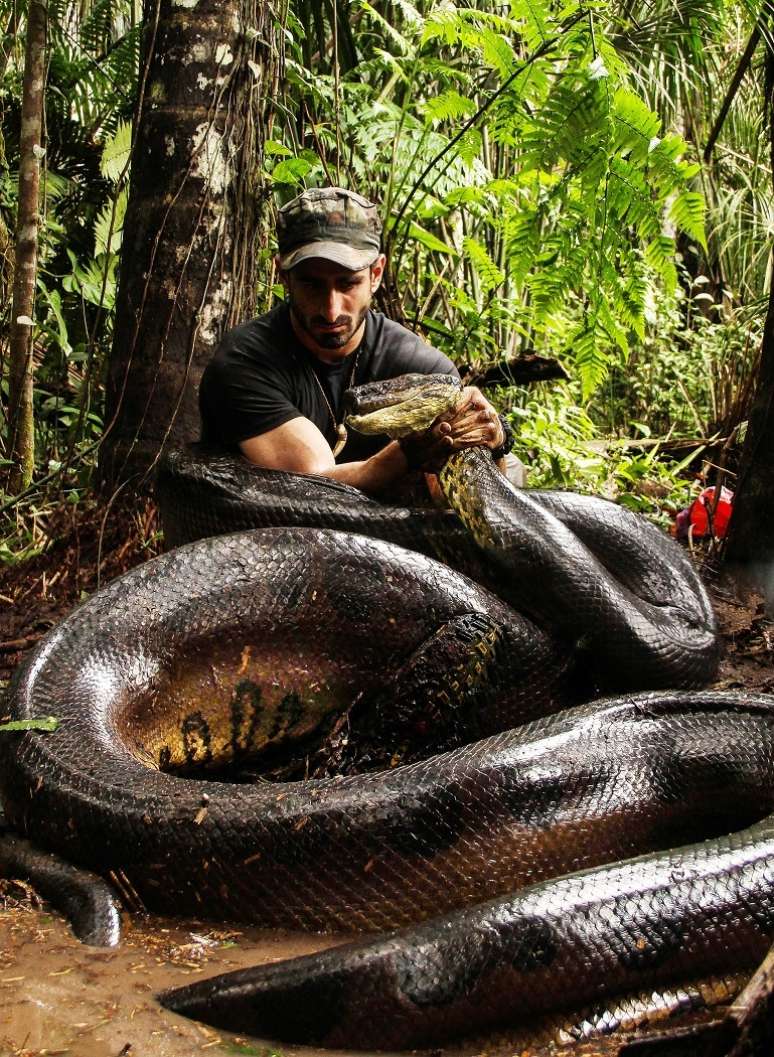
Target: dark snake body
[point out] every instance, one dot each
(176, 666)
(608, 583)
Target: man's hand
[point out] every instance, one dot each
(473, 423)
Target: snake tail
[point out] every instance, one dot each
(87, 901)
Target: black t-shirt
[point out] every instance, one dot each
(262, 376)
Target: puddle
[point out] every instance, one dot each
(59, 997)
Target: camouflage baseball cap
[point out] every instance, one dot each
(331, 223)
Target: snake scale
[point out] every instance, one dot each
(232, 646)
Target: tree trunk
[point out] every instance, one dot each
(21, 427)
(751, 538)
(208, 73)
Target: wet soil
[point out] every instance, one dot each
(58, 997)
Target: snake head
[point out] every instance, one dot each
(398, 406)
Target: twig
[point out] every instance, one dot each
(12, 645)
(733, 88)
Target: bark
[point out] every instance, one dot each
(21, 430)
(209, 71)
(751, 535)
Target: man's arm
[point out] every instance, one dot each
(298, 446)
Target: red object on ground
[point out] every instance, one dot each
(704, 520)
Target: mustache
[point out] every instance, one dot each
(318, 321)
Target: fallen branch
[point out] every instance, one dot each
(519, 370)
(12, 645)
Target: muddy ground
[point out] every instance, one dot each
(58, 997)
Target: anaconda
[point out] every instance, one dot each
(611, 586)
(214, 651)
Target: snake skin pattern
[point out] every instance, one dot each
(518, 810)
(214, 652)
(85, 899)
(610, 585)
(651, 769)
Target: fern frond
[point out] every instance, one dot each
(401, 43)
(629, 199)
(688, 214)
(534, 16)
(496, 52)
(479, 17)
(410, 13)
(634, 123)
(588, 347)
(522, 242)
(443, 23)
(660, 254)
(109, 225)
(574, 117)
(612, 327)
(490, 275)
(449, 106)
(469, 147)
(630, 299)
(116, 151)
(122, 63)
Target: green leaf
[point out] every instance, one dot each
(587, 346)
(660, 254)
(429, 240)
(42, 723)
(271, 147)
(497, 52)
(116, 152)
(400, 42)
(469, 147)
(444, 22)
(54, 300)
(291, 171)
(688, 214)
(490, 275)
(109, 225)
(449, 106)
(634, 122)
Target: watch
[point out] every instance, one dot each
(509, 439)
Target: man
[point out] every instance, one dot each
(273, 390)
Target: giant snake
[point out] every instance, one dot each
(228, 647)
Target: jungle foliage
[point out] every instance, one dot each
(540, 170)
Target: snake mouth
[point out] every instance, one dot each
(397, 406)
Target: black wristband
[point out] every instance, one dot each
(509, 439)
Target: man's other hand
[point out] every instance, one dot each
(473, 423)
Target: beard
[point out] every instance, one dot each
(315, 326)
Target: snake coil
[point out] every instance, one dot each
(232, 646)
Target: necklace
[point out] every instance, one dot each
(339, 427)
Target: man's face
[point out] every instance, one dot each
(329, 303)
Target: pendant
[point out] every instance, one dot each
(341, 433)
